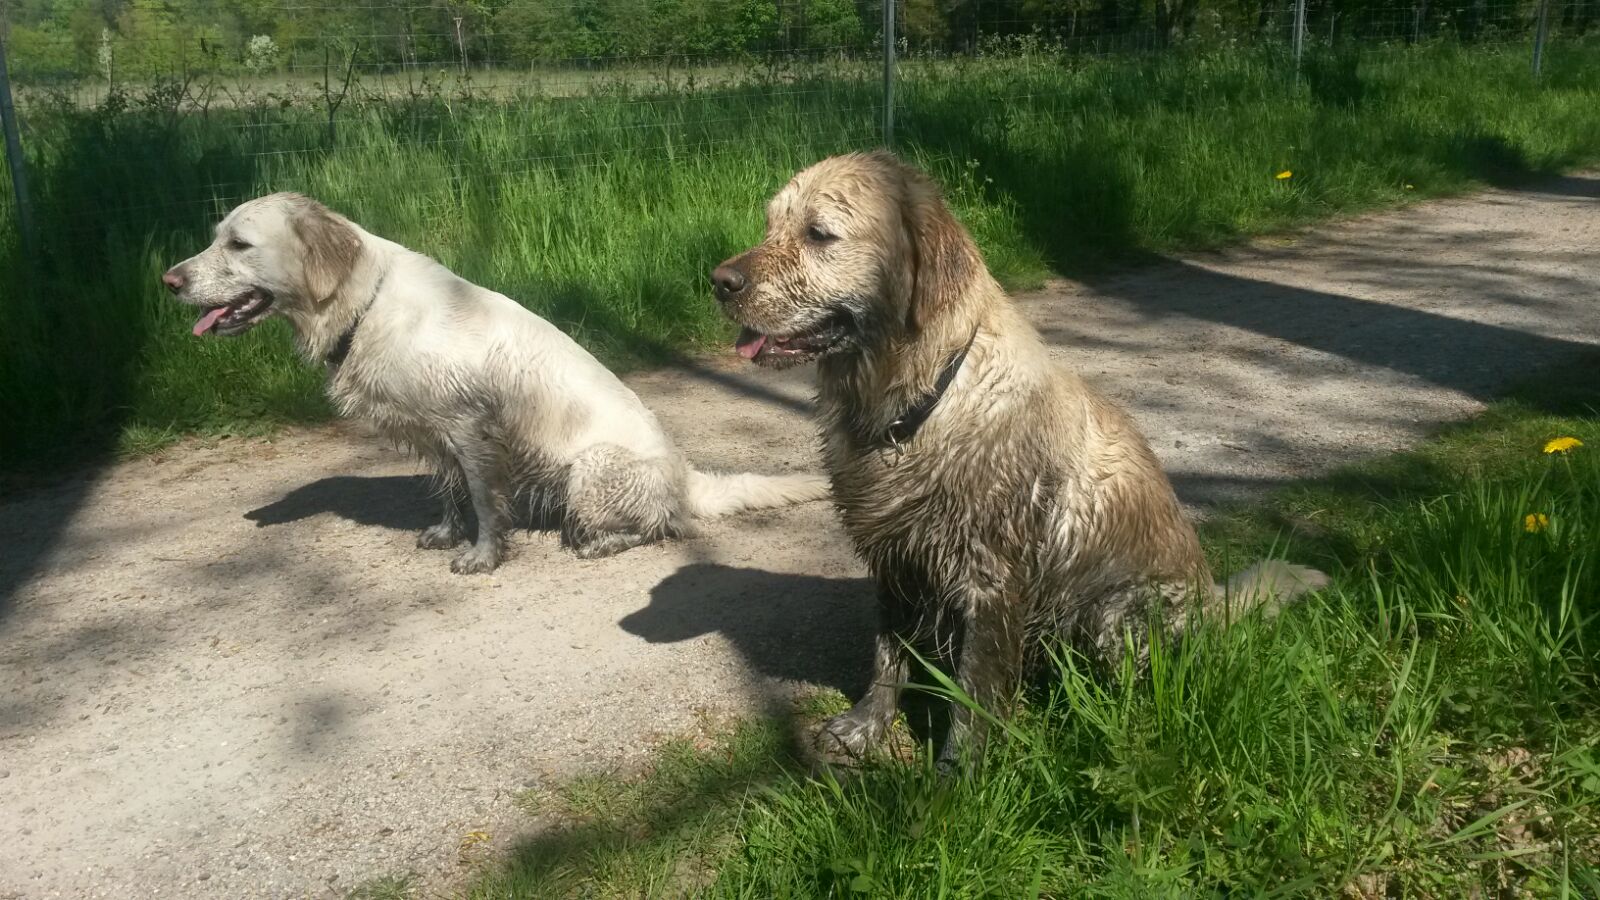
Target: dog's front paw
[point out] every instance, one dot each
(475, 560)
(850, 734)
(953, 756)
(439, 537)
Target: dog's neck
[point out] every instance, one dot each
(868, 392)
(325, 329)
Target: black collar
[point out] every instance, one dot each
(341, 348)
(903, 429)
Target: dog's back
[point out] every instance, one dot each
(436, 349)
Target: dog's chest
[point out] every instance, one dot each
(401, 413)
(933, 499)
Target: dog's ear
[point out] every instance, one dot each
(331, 248)
(944, 260)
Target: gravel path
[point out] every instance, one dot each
(229, 673)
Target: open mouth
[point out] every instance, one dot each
(236, 316)
(766, 349)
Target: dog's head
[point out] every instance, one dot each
(859, 248)
(277, 252)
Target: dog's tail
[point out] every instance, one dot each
(1270, 584)
(711, 494)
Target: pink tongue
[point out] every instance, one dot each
(209, 319)
(749, 343)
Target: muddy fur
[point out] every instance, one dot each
(498, 401)
(1027, 504)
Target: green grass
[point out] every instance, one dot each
(1426, 728)
(605, 212)
(383, 887)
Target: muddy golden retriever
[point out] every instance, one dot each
(995, 496)
(494, 397)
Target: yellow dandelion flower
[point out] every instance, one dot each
(1562, 445)
(1533, 523)
(471, 841)
(1285, 175)
(1411, 187)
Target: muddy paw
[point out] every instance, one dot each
(849, 734)
(439, 537)
(475, 560)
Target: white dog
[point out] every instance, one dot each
(494, 397)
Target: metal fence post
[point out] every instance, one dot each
(1299, 30)
(14, 160)
(888, 73)
(1540, 32)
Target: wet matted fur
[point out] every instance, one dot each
(1026, 504)
(494, 397)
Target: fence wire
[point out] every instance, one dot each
(527, 91)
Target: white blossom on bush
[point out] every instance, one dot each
(261, 53)
(102, 54)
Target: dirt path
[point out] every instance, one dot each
(229, 673)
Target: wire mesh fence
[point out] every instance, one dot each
(490, 89)
(594, 159)
(556, 87)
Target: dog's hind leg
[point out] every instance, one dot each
(452, 526)
(858, 730)
(617, 501)
(484, 471)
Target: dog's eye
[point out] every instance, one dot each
(817, 235)
(237, 244)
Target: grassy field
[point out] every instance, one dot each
(303, 82)
(1428, 727)
(604, 213)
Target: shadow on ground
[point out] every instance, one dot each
(400, 502)
(681, 800)
(797, 628)
(1434, 347)
(111, 194)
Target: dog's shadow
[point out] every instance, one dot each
(804, 629)
(400, 502)
(799, 628)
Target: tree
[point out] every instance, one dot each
(925, 24)
(541, 31)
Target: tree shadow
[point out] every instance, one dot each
(1475, 358)
(806, 629)
(1503, 440)
(113, 188)
(1577, 187)
(680, 800)
(31, 524)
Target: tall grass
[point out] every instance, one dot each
(1428, 727)
(1425, 730)
(603, 213)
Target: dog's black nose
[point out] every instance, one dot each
(728, 280)
(173, 280)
